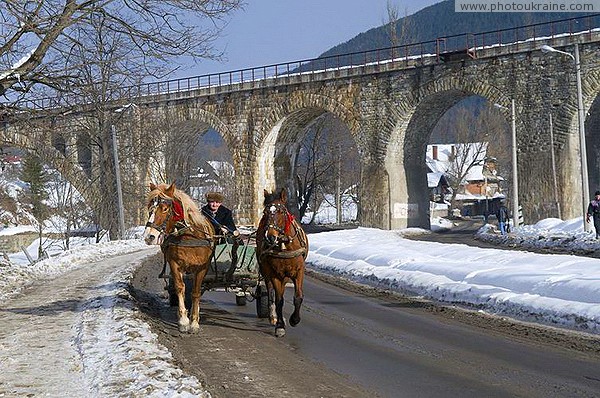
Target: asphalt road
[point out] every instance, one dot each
(463, 232)
(400, 348)
(355, 341)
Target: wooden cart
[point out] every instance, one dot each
(246, 282)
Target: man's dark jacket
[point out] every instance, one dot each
(223, 216)
(502, 214)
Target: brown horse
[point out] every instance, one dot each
(187, 242)
(281, 247)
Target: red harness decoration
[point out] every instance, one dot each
(177, 211)
(288, 223)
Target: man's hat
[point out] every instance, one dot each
(214, 197)
(597, 193)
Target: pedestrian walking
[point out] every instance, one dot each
(593, 210)
(503, 217)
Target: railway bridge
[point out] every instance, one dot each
(389, 100)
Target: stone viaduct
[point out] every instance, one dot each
(390, 109)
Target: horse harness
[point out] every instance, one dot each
(181, 228)
(273, 250)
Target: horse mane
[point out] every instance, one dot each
(191, 213)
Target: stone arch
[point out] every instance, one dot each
(280, 133)
(200, 118)
(209, 119)
(206, 120)
(212, 120)
(405, 141)
(300, 100)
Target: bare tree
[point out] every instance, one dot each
(68, 207)
(88, 50)
(326, 166)
(465, 156)
(392, 25)
(497, 127)
(40, 38)
(308, 169)
(477, 132)
(397, 28)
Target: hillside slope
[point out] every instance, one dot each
(440, 20)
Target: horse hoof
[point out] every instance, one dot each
(194, 329)
(294, 321)
(279, 332)
(184, 328)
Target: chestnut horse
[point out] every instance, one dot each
(187, 242)
(281, 247)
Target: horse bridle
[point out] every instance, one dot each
(270, 212)
(181, 226)
(272, 249)
(152, 212)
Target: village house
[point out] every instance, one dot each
(480, 190)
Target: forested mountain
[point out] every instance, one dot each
(440, 20)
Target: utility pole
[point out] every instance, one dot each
(585, 188)
(118, 183)
(515, 172)
(582, 145)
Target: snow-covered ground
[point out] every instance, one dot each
(108, 345)
(76, 332)
(560, 290)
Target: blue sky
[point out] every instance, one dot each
(276, 31)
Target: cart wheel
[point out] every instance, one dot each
(262, 301)
(240, 300)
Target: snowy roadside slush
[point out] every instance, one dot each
(110, 351)
(17, 276)
(552, 234)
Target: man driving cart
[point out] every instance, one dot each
(221, 218)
